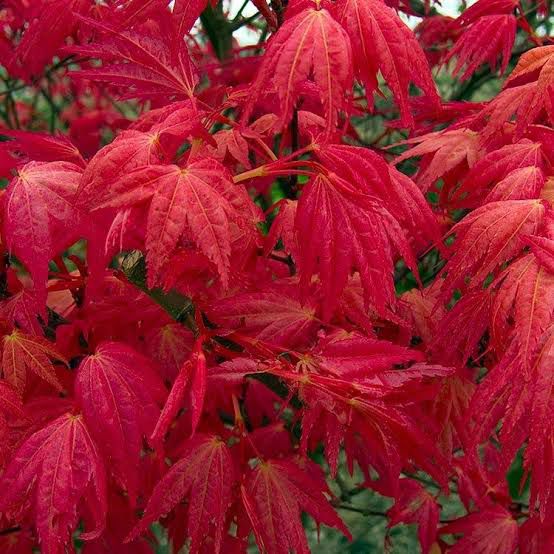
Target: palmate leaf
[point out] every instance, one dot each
(311, 42)
(275, 316)
(23, 353)
(352, 395)
(41, 217)
(231, 143)
(52, 472)
(523, 306)
(443, 153)
(398, 193)
(358, 358)
(381, 42)
(150, 64)
(375, 433)
(482, 8)
(192, 200)
(169, 345)
(416, 505)
(274, 495)
(333, 212)
(45, 35)
(22, 310)
(129, 150)
(520, 184)
(519, 393)
(488, 38)
(526, 94)
(529, 64)
(489, 237)
(489, 531)
(205, 475)
(507, 162)
(119, 394)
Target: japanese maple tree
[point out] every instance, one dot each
(275, 266)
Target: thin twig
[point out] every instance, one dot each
(9, 531)
(363, 511)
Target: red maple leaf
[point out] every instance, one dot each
(23, 353)
(332, 209)
(416, 505)
(43, 196)
(60, 466)
(205, 475)
(150, 64)
(311, 42)
(119, 394)
(199, 189)
(492, 530)
(275, 316)
(381, 42)
(275, 493)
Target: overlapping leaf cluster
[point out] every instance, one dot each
(216, 295)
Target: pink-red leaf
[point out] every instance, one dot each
(40, 215)
(489, 237)
(23, 353)
(53, 471)
(119, 395)
(343, 229)
(309, 43)
(192, 379)
(490, 37)
(205, 474)
(147, 63)
(190, 200)
(416, 505)
(489, 531)
(276, 317)
(275, 494)
(381, 42)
